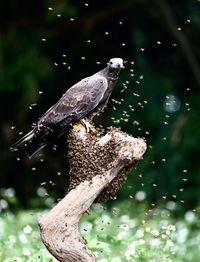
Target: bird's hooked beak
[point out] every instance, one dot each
(116, 63)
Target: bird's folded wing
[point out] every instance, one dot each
(77, 102)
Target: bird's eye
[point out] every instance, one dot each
(111, 62)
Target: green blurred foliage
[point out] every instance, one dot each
(37, 38)
(125, 232)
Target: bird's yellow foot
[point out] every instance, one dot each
(77, 125)
(87, 125)
(84, 123)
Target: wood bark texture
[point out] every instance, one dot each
(98, 167)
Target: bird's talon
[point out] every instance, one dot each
(87, 125)
(77, 125)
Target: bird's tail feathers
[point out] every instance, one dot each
(40, 142)
(40, 138)
(36, 146)
(23, 140)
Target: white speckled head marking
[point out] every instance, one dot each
(116, 63)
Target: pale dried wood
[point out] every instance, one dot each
(59, 228)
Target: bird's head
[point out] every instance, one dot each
(115, 63)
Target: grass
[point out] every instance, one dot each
(126, 232)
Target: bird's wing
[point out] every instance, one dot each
(77, 102)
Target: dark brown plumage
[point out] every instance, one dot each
(86, 98)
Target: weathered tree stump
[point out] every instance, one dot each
(98, 167)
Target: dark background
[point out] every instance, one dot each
(44, 49)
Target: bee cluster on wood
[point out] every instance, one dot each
(87, 159)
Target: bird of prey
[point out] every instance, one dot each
(84, 99)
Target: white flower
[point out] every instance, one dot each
(140, 196)
(128, 221)
(140, 242)
(86, 227)
(26, 252)
(147, 229)
(121, 235)
(124, 227)
(155, 242)
(49, 201)
(23, 238)
(171, 228)
(3, 204)
(125, 218)
(139, 233)
(169, 243)
(41, 191)
(171, 205)
(105, 218)
(130, 253)
(189, 216)
(9, 192)
(27, 229)
(155, 233)
(182, 235)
